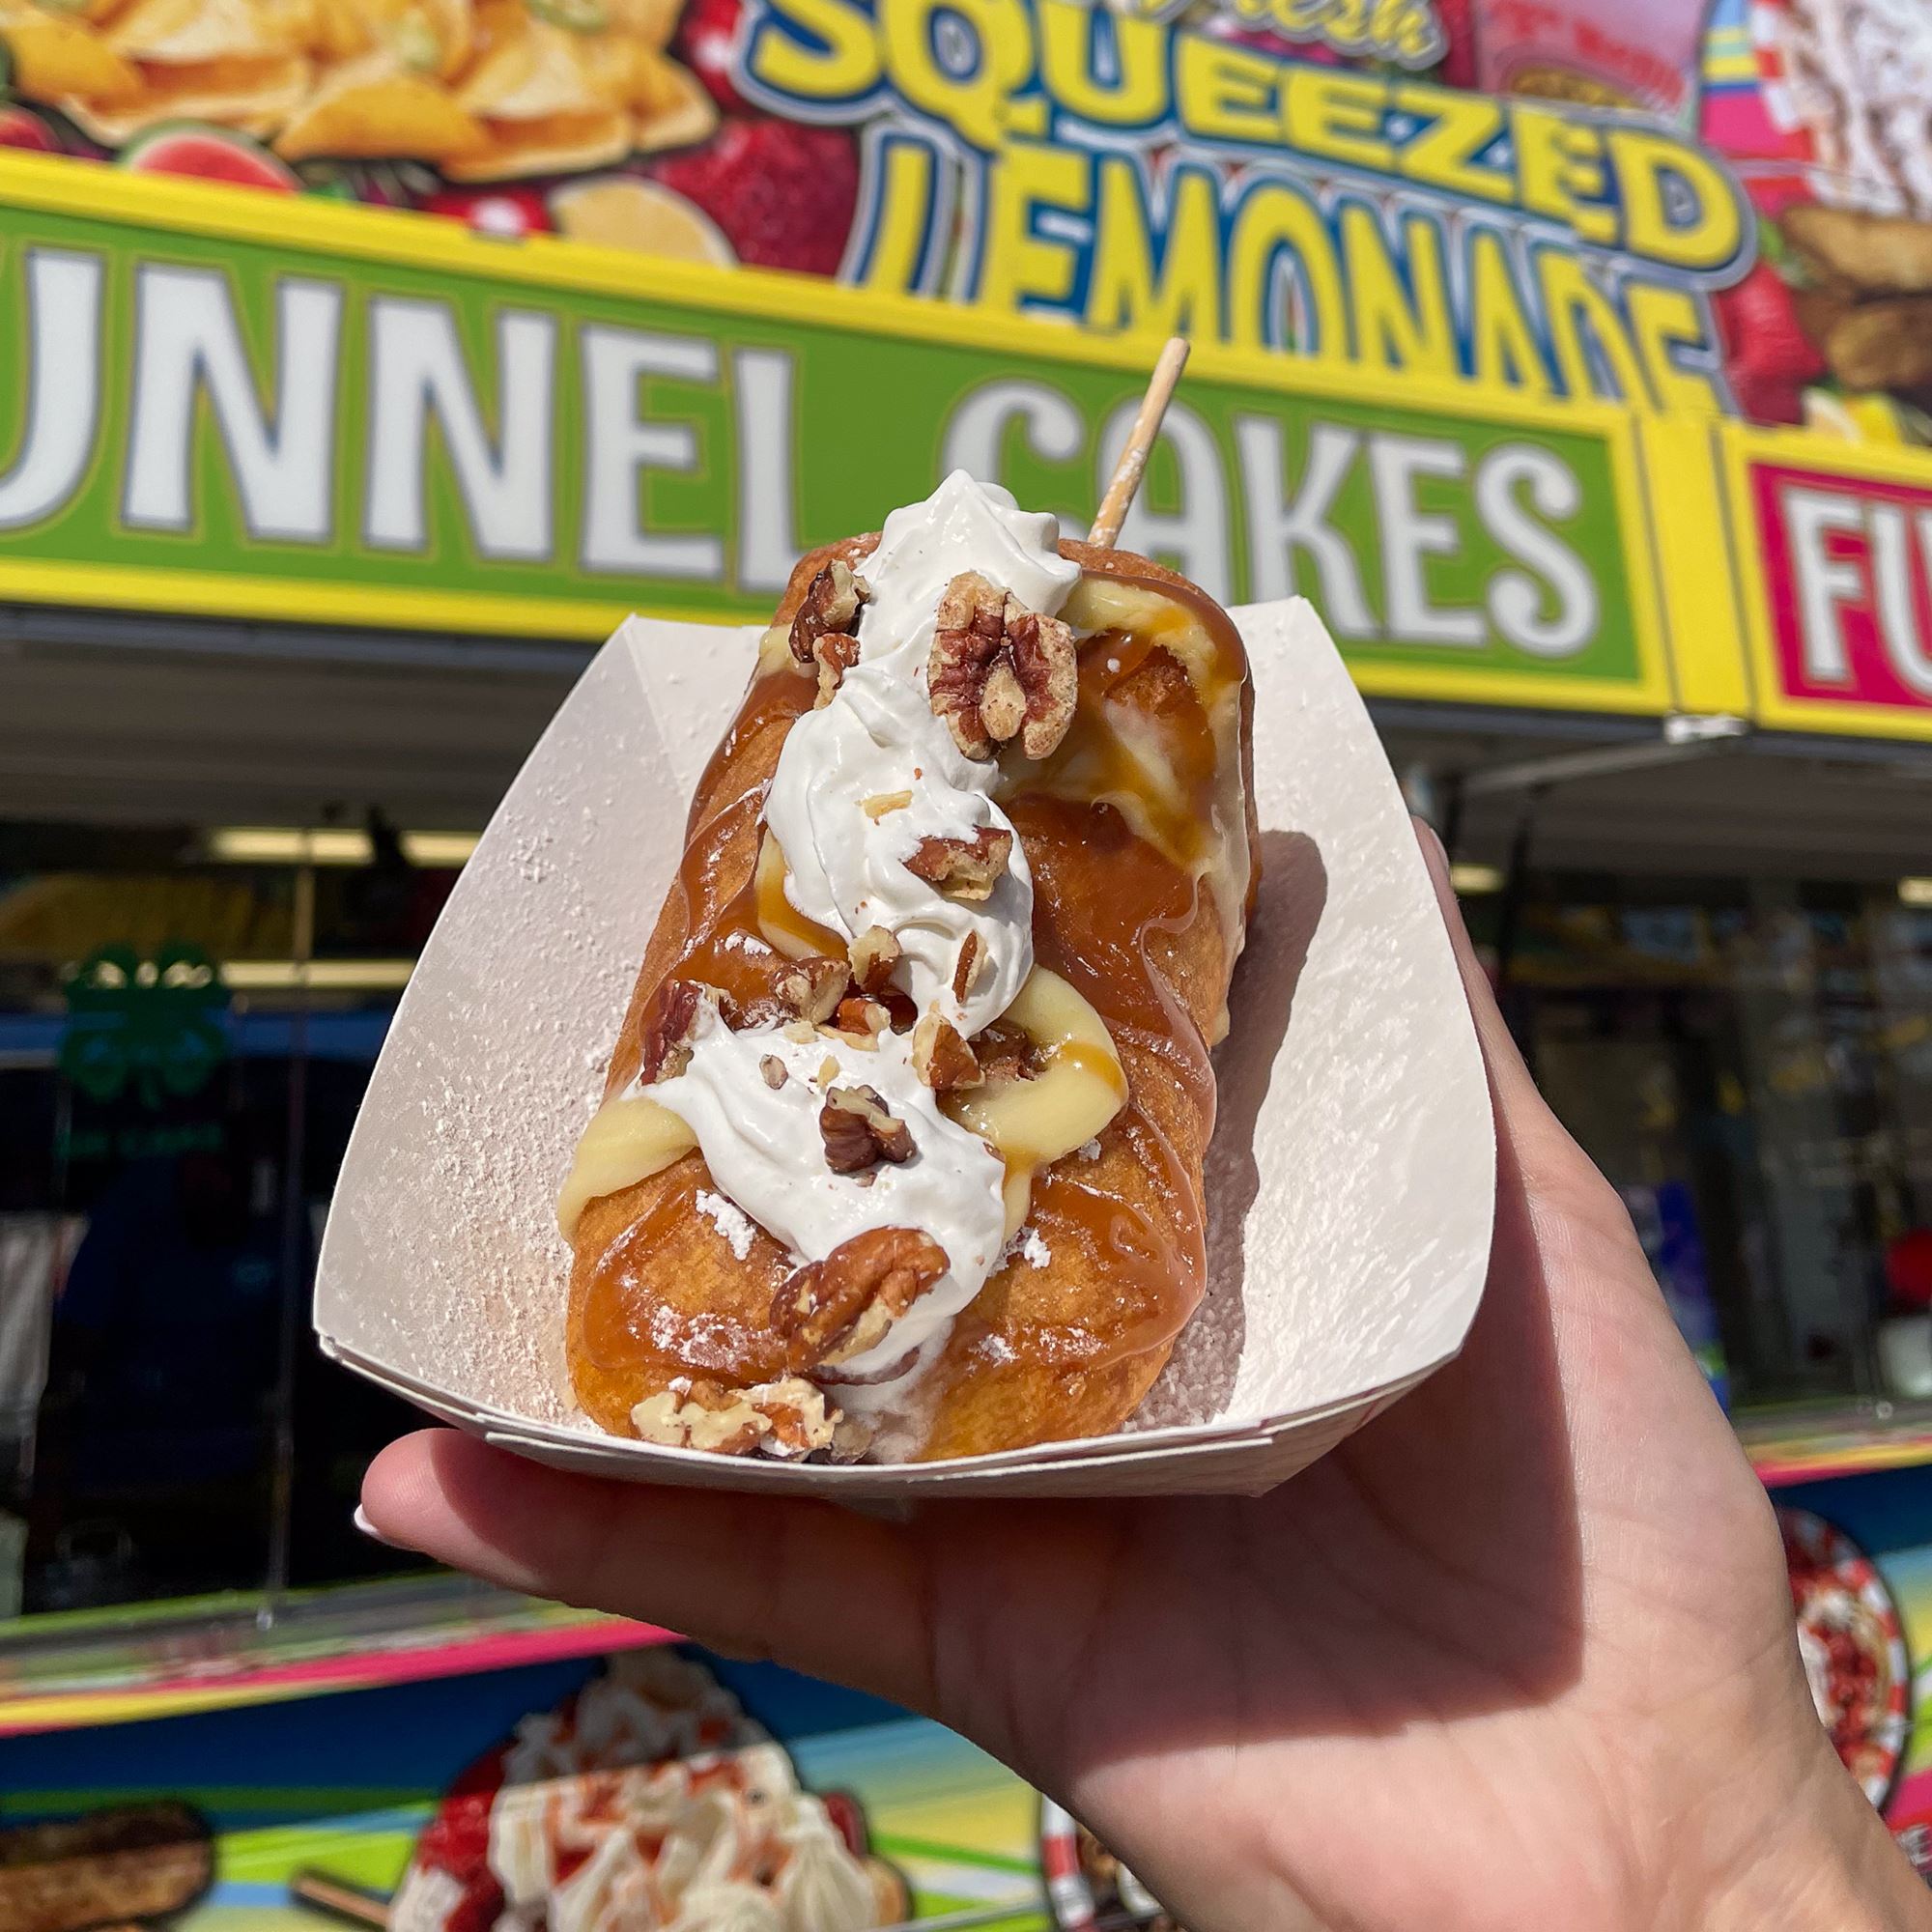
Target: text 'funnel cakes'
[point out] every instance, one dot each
(900, 1154)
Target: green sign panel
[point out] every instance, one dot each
(217, 401)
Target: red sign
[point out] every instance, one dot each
(1847, 589)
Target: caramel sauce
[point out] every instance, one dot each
(1107, 900)
(1101, 899)
(624, 1328)
(714, 903)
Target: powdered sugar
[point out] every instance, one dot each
(731, 1220)
(1028, 1245)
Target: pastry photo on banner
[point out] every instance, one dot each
(1718, 208)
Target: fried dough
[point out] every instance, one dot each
(1139, 832)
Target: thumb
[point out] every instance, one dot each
(755, 1577)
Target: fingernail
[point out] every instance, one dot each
(361, 1522)
(1435, 856)
(1433, 848)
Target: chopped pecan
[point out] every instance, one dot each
(813, 987)
(833, 1310)
(999, 672)
(1004, 1053)
(941, 1056)
(672, 1027)
(786, 1418)
(874, 955)
(835, 654)
(1047, 668)
(802, 1423)
(862, 1018)
(882, 804)
(831, 606)
(969, 632)
(966, 968)
(772, 1070)
(963, 869)
(858, 1130)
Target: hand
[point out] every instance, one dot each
(1519, 1653)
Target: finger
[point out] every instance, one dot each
(1508, 1072)
(810, 1585)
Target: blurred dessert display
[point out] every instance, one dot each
(616, 122)
(648, 1799)
(1854, 76)
(487, 91)
(1088, 1889)
(1865, 296)
(1853, 1647)
(1642, 56)
(1850, 83)
(129, 1864)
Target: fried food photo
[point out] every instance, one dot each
(899, 1156)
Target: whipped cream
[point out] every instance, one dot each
(878, 737)
(877, 740)
(766, 1153)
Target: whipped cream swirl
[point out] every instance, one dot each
(877, 741)
(878, 738)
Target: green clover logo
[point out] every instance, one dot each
(154, 1025)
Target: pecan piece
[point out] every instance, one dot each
(963, 869)
(786, 1418)
(969, 632)
(1047, 668)
(813, 987)
(1005, 1053)
(862, 1018)
(830, 608)
(771, 1071)
(802, 1423)
(833, 1310)
(874, 955)
(966, 968)
(835, 654)
(667, 1034)
(999, 672)
(858, 1130)
(941, 1056)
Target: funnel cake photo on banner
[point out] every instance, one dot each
(1852, 1645)
(900, 1151)
(1088, 1889)
(647, 1799)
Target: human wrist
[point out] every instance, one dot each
(1822, 1861)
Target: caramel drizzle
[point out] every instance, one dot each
(1105, 898)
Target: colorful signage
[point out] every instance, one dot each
(1834, 562)
(1664, 204)
(228, 404)
(1047, 157)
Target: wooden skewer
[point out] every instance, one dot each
(1126, 482)
(348, 1903)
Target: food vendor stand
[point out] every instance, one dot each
(352, 389)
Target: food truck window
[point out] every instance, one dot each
(1750, 1062)
(175, 1096)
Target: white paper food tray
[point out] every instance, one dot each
(1350, 1179)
